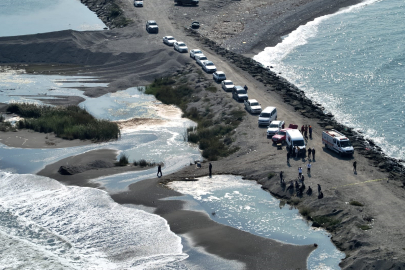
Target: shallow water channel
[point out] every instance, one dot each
(242, 204)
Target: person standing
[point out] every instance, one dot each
(210, 169)
(309, 152)
(313, 153)
(296, 152)
(281, 177)
(299, 172)
(355, 166)
(288, 157)
(302, 129)
(309, 168)
(159, 171)
(245, 87)
(319, 189)
(310, 131)
(306, 134)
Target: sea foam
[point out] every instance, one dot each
(46, 224)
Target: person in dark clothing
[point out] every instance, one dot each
(309, 152)
(309, 191)
(302, 179)
(310, 132)
(245, 87)
(355, 166)
(283, 126)
(159, 171)
(302, 129)
(297, 186)
(313, 153)
(210, 169)
(288, 156)
(320, 196)
(291, 186)
(281, 177)
(306, 134)
(319, 189)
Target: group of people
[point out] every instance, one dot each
(304, 131)
(294, 151)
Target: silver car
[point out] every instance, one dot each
(219, 76)
(169, 40)
(209, 66)
(227, 85)
(200, 59)
(180, 46)
(195, 52)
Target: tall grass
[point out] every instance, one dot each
(70, 122)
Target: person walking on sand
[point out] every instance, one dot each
(296, 152)
(310, 131)
(288, 157)
(299, 172)
(355, 166)
(313, 153)
(159, 171)
(309, 152)
(319, 189)
(309, 168)
(210, 169)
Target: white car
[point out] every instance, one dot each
(180, 46)
(209, 66)
(219, 76)
(169, 40)
(195, 52)
(274, 128)
(138, 3)
(253, 106)
(227, 85)
(200, 59)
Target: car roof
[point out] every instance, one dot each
(238, 87)
(168, 36)
(220, 72)
(252, 100)
(276, 122)
(194, 50)
(225, 81)
(268, 109)
(208, 61)
(178, 42)
(151, 21)
(201, 55)
(295, 134)
(285, 129)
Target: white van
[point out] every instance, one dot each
(267, 115)
(294, 138)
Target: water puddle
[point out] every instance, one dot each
(242, 204)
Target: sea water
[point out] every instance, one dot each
(353, 63)
(24, 17)
(242, 204)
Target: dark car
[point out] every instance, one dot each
(152, 27)
(195, 25)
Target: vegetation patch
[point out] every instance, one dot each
(213, 138)
(271, 175)
(294, 201)
(123, 161)
(305, 211)
(144, 163)
(325, 221)
(363, 227)
(356, 203)
(67, 122)
(6, 126)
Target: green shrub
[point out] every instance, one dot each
(356, 203)
(326, 221)
(363, 227)
(123, 161)
(70, 122)
(305, 211)
(271, 175)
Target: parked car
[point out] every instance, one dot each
(274, 127)
(253, 106)
(267, 115)
(169, 40)
(152, 27)
(227, 85)
(219, 76)
(195, 25)
(138, 3)
(280, 136)
(200, 59)
(239, 93)
(186, 2)
(180, 46)
(209, 66)
(294, 139)
(195, 52)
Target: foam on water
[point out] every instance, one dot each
(243, 205)
(351, 62)
(47, 224)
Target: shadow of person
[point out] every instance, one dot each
(355, 172)
(309, 174)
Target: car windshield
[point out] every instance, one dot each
(209, 64)
(345, 144)
(152, 23)
(221, 75)
(170, 38)
(265, 115)
(182, 44)
(299, 143)
(228, 83)
(254, 104)
(197, 52)
(203, 58)
(282, 133)
(273, 126)
(241, 91)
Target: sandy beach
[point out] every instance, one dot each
(123, 58)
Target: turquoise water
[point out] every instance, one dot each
(353, 63)
(24, 17)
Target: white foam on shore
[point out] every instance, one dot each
(51, 225)
(274, 55)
